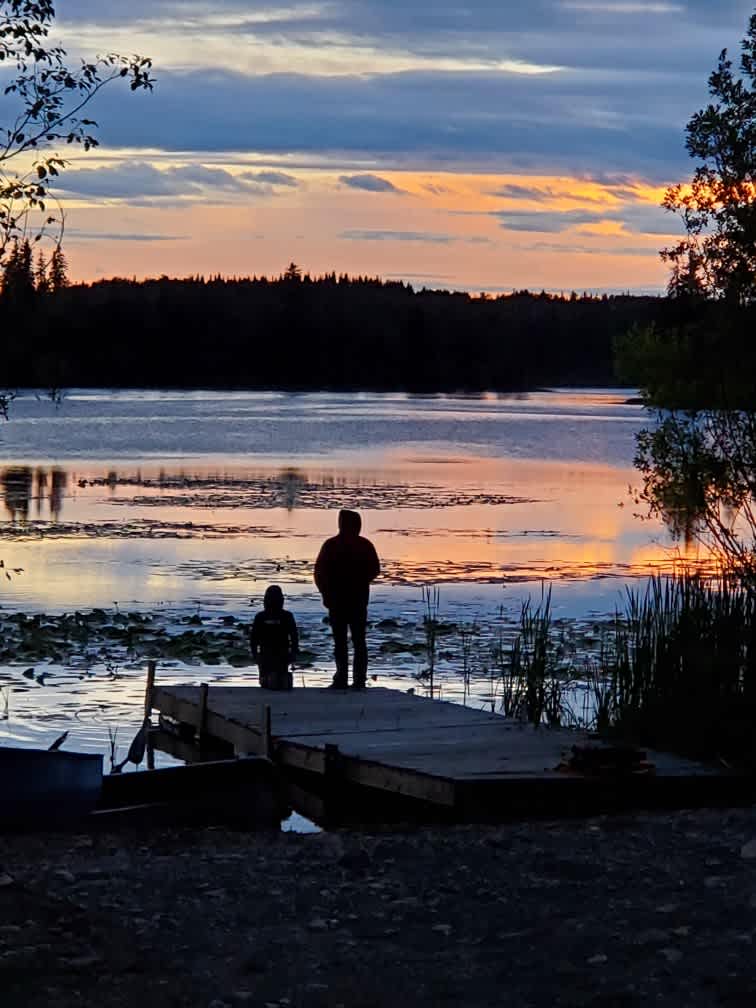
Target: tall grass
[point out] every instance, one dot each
(530, 682)
(682, 666)
(432, 604)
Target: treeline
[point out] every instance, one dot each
(300, 332)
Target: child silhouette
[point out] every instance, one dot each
(274, 641)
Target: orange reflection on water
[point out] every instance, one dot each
(153, 537)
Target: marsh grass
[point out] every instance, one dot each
(432, 604)
(113, 745)
(468, 637)
(528, 677)
(506, 672)
(675, 669)
(682, 666)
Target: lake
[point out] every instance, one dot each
(169, 513)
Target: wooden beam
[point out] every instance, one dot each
(245, 738)
(439, 790)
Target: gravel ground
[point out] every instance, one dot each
(615, 912)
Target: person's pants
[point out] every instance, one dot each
(275, 674)
(355, 622)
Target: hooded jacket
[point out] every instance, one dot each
(346, 565)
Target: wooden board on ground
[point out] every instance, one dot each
(387, 739)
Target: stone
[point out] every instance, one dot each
(83, 962)
(63, 875)
(672, 955)
(748, 851)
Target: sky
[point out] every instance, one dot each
(481, 145)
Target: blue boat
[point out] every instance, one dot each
(39, 786)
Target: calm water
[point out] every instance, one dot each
(170, 504)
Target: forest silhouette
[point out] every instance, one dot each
(298, 332)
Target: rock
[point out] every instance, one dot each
(714, 882)
(82, 962)
(672, 955)
(63, 875)
(318, 925)
(748, 851)
(651, 936)
(356, 860)
(5, 879)
(598, 960)
(331, 845)
(444, 929)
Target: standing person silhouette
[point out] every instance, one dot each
(346, 565)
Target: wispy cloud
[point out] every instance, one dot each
(426, 237)
(140, 180)
(75, 235)
(273, 178)
(368, 183)
(631, 219)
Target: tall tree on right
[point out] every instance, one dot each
(717, 256)
(698, 462)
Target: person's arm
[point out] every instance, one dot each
(373, 563)
(293, 638)
(321, 572)
(254, 639)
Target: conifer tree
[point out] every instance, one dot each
(58, 271)
(41, 279)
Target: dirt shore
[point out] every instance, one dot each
(613, 912)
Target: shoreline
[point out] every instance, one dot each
(619, 912)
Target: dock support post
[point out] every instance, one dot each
(146, 726)
(202, 717)
(148, 690)
(332, 780)
(266, 748)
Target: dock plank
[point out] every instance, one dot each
(388, 739)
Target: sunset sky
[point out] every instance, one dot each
(469, 144)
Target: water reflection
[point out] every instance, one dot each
(292, 481)
(22, 485)
(58, 482)
(17, 492)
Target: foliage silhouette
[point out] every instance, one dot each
(306, 333)
(699, 359)
(48, 98)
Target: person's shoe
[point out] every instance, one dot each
(338, 685)
(358, 685)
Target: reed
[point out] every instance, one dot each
(113, 744)
(532, 684)
(682, 665)
(506, 672)
(432, 604)
(468, 635)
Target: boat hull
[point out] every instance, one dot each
(39, 787)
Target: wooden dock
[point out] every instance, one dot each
(437, 753)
